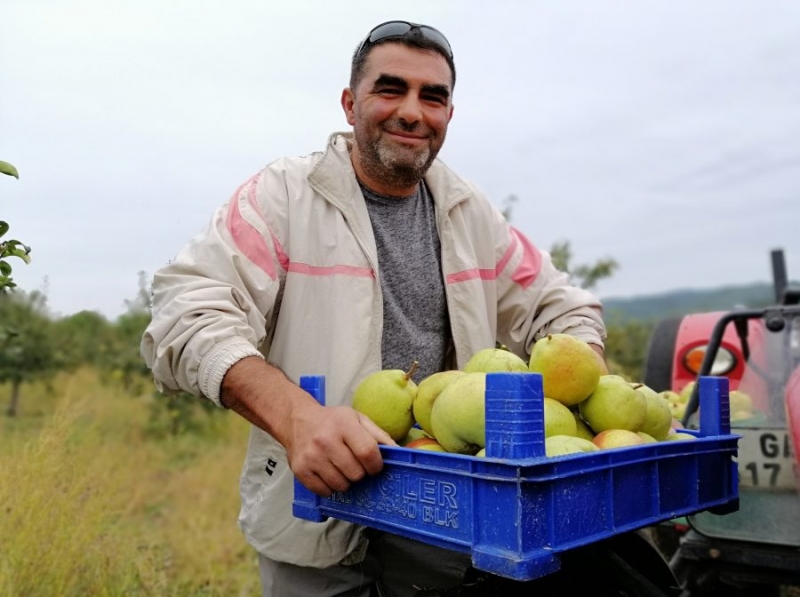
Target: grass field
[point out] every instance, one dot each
(91, 504)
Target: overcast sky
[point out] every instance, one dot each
(664, 134)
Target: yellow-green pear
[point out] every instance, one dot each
(458, 416)
(425, 443)
(648, 439)
(740, 415)
(427, 392)
(670, 396)
(614, 404)
(686, 392)
(558, 419)
(678, 436)
(570, 369)
(678, 409)
(413, 434)
(658, 418)
(495, 360)
(387, 398)
(581, 428)
(559, 445)
(617, 438)
(481, 453)
(740, 402)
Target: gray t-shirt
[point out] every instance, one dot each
(415, 320)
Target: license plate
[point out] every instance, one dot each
(766, 460)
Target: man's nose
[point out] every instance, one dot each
(410, 109)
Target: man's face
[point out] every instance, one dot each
(399, 112)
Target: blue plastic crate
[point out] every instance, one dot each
(516, 510)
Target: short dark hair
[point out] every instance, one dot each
(411, 39)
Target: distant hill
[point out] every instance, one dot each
(681, 302)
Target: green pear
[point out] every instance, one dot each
(570, 369)
(387, 398)
(558, 445)
(427, 392)
(495, 360)
(614, 404)
(458, 417)
(658, 418)
(648, 439)
(558, 419)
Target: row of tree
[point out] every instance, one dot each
(35, 345)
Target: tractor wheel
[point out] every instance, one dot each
(660, 355)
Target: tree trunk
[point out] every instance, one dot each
(12, 406)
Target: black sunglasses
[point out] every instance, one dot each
(391, 29)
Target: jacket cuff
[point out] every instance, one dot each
(216, 362)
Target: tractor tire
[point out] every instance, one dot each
(660, 355)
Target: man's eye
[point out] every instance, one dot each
(389, 91)
(434, 98)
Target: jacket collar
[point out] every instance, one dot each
(327, 177)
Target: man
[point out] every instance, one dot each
(367, 256)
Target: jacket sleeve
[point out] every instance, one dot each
(535, 298)
(213, 302)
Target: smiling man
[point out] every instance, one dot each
(367, 256)
(399, 107)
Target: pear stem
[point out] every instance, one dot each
(413, 370)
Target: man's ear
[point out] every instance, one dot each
(450, 116)
(348, 101)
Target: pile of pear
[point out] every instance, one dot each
(740, 403)
(585, 408)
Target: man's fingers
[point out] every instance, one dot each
(324, 482)
(365, 445)
(379, 434)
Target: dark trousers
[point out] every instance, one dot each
(393, 567)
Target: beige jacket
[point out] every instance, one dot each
(288, 269)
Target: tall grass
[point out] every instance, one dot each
(91, 505)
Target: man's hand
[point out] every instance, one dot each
(331, 447)
(328, 448)
(601, 358)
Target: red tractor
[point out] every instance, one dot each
(755, 551)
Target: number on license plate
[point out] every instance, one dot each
(766, 460)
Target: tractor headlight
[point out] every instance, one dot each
(723, 363)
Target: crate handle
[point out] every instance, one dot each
(514, 415)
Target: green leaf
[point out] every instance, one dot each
(7, 168)
(3, 227)
(5, 268)
(22, 255)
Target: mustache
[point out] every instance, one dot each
(397, 125)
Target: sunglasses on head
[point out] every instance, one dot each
(402, 28)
